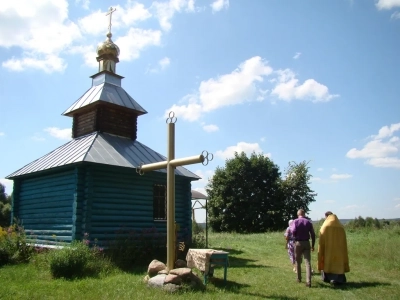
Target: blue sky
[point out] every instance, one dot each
(295, 80)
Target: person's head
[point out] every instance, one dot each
(301, 212)
(290, 222)
(328, 213)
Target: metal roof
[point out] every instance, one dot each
(107, 88)
(100, 148)
(197, 195)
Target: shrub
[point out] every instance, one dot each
(13, 245)
(70, 261)
(132, 247)
(78, 260)
(198, 241)
(198, 236)
(196, 228)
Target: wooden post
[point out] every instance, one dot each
(171, 163)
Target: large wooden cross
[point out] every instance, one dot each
(170, 164)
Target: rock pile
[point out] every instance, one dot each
(181, 277)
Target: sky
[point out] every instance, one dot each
(310, 80)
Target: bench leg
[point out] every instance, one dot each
(225, 273)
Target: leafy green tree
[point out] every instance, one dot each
(5, 207)
(245, 195)
(296, 190)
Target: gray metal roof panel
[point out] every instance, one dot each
(71, 152)
(101, 148)
(109, 93)
(134, 153)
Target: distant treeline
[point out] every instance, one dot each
(359, 222)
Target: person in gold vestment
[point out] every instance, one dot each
(333, 258)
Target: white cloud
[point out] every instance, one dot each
(341, 176)
(262, 139)
(8, 184)
(191, 111)
(218, 5)
(44, 33)
(247, 148)
(396, 199)
(133, 13)
(297, 55)
(234, 88)
(95, 23)
(387, 131)
(88, 53)
(320, 169)
(387, 4)
(385, 162)
(135, 41)
(397, 206)
(210, 128)
(62, 134)
(166, 10)
(84, 3)
(49, 63)
(2, 133)
(164, 62)
(262, 95)
(288, 88)
(395, 15)
(382, 149)
(205, 176)
(41, 28)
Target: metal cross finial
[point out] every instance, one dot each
(109, 13)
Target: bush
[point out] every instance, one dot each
(136, 247)
(199, 241)
(198, 236)
(13, 245)
(370, 223)
(69, 261)
(78, 260)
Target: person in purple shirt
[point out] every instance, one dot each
(302, 230)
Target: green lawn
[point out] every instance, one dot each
(259, 269)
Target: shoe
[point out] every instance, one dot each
(333, 282)
(298, 280)
(308, 284)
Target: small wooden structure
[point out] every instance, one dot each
(90, 184)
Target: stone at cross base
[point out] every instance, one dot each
(173, 280)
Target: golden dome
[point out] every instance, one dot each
(108, 47)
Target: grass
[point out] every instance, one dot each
(259, 269)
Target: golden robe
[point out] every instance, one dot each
(332, 247)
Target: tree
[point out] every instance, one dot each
(5, 207)
(245, 196)
(295, 189)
